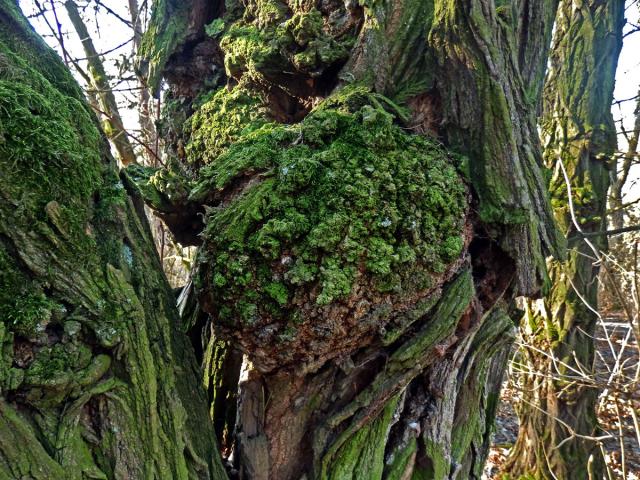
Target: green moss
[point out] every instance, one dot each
(29, 313)
(24, 308)
(50, 151)
(44, 135)
(161, 188)
(167, 31)
(247, 49)
(396, 469)
(221, 121)
(265, 12)
(364, 451)
(278, 292)
(305, 26)
(438, 465)
(264, 42)
(318, 48)
(52, 365)
(51, 156)
(215, 28)
(341, 195)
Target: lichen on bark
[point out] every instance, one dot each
(97, 380)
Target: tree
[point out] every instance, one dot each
(99, 82)
(97, 379)
(357, 287)
(558, 436)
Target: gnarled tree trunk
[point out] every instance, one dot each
(97, 380)
(362, 269)
(558, 422)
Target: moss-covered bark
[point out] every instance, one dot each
(557, 412)
(373, 194)
(96, 379)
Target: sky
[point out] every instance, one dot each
(112, 35)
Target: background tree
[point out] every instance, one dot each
(559, 434)
(99, 83)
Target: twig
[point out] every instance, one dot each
(59, 29)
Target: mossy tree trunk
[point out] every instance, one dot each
(97, 380)
(362, 269)
(557, 411)
(355, 274)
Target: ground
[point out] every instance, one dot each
(506, 429)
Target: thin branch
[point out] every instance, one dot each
(122, 19)
(66, 55)
(133, 137)
(59, 29)
(615, 231)
(618, 102)
(107, 52)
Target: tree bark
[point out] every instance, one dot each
(97, 380)
(368, 353)
(558, 421)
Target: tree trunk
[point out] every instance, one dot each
(112, 124)
(97, 381)
(557, 410)
(363, 269)
(145, 101)
(620, 174)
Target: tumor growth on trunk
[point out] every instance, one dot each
(365, 188)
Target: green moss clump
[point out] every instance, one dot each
(317, 48)
(161, 188)
(24, 308)
(30, 313)
(56, 363)
(264, 41)
(49, 147)
(342, 196)
(215, 28)
(246, 49)
(221, 121)
(47, 130)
